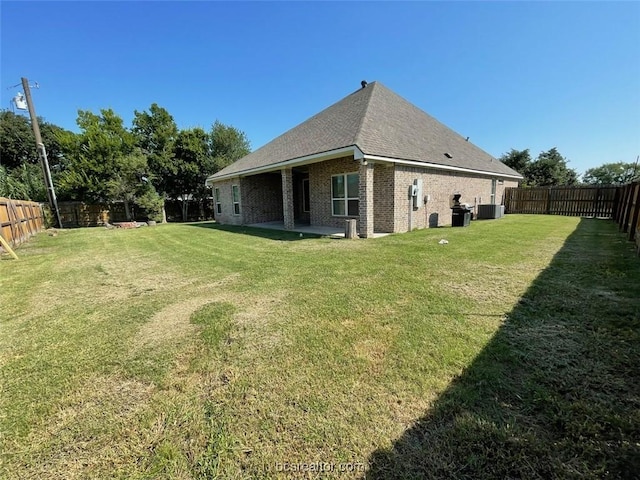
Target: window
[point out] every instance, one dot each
(217, 200)
(236, 199)
(306, 198)
(493, 191)
(345, 199)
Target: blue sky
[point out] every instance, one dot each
(506, 74)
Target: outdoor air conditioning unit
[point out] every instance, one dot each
(490, 211)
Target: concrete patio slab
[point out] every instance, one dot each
(310, 229)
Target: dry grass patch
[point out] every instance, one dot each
(173, 321)
(169, 324)
(373, 351)
(89, 433)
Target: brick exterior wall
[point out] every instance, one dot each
(286, 177)
(383, 198)
(440, 185)
(262, 195)
(365, 229)
(227, 216)
(261, 198)
(320, 189)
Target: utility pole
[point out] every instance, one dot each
(42, 154)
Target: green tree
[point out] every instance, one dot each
(51, 137)
(550, 169)
(155, 133)
(519, 160)
(617, 173)
(17, 143)
(228, 144)
(23, 177)
(193, 162)
(102, 163)
(94, 156)
(128, 181)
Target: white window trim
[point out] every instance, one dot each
(346, 195)
(233, 202)
(216, 197)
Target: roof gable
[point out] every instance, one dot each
(380, 123)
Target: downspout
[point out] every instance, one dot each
(410, 210)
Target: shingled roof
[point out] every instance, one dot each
(381, 124)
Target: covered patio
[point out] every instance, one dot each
(303, 228)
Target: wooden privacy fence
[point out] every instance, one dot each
(79, 214)
(20, 220)
(572, 201)
(627, 212)
(621, 203)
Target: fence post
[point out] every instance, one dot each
(634, 206)
(626, 209)
(616, 202)
(620, 203)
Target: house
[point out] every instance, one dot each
(373, 157)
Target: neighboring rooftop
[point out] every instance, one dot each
(380, 123)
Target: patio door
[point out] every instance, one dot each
(301, 198)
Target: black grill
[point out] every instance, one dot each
(460, 212)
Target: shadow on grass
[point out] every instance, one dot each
(282, 235)
(555, 394)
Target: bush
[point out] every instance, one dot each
(49, 219)
(152, 203)
(24, 182)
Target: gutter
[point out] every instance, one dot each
(357, 155)
(438, 166)
(316, 157)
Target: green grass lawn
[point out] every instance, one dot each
(196, 351)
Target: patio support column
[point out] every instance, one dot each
(366, 199)
(287, 198)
